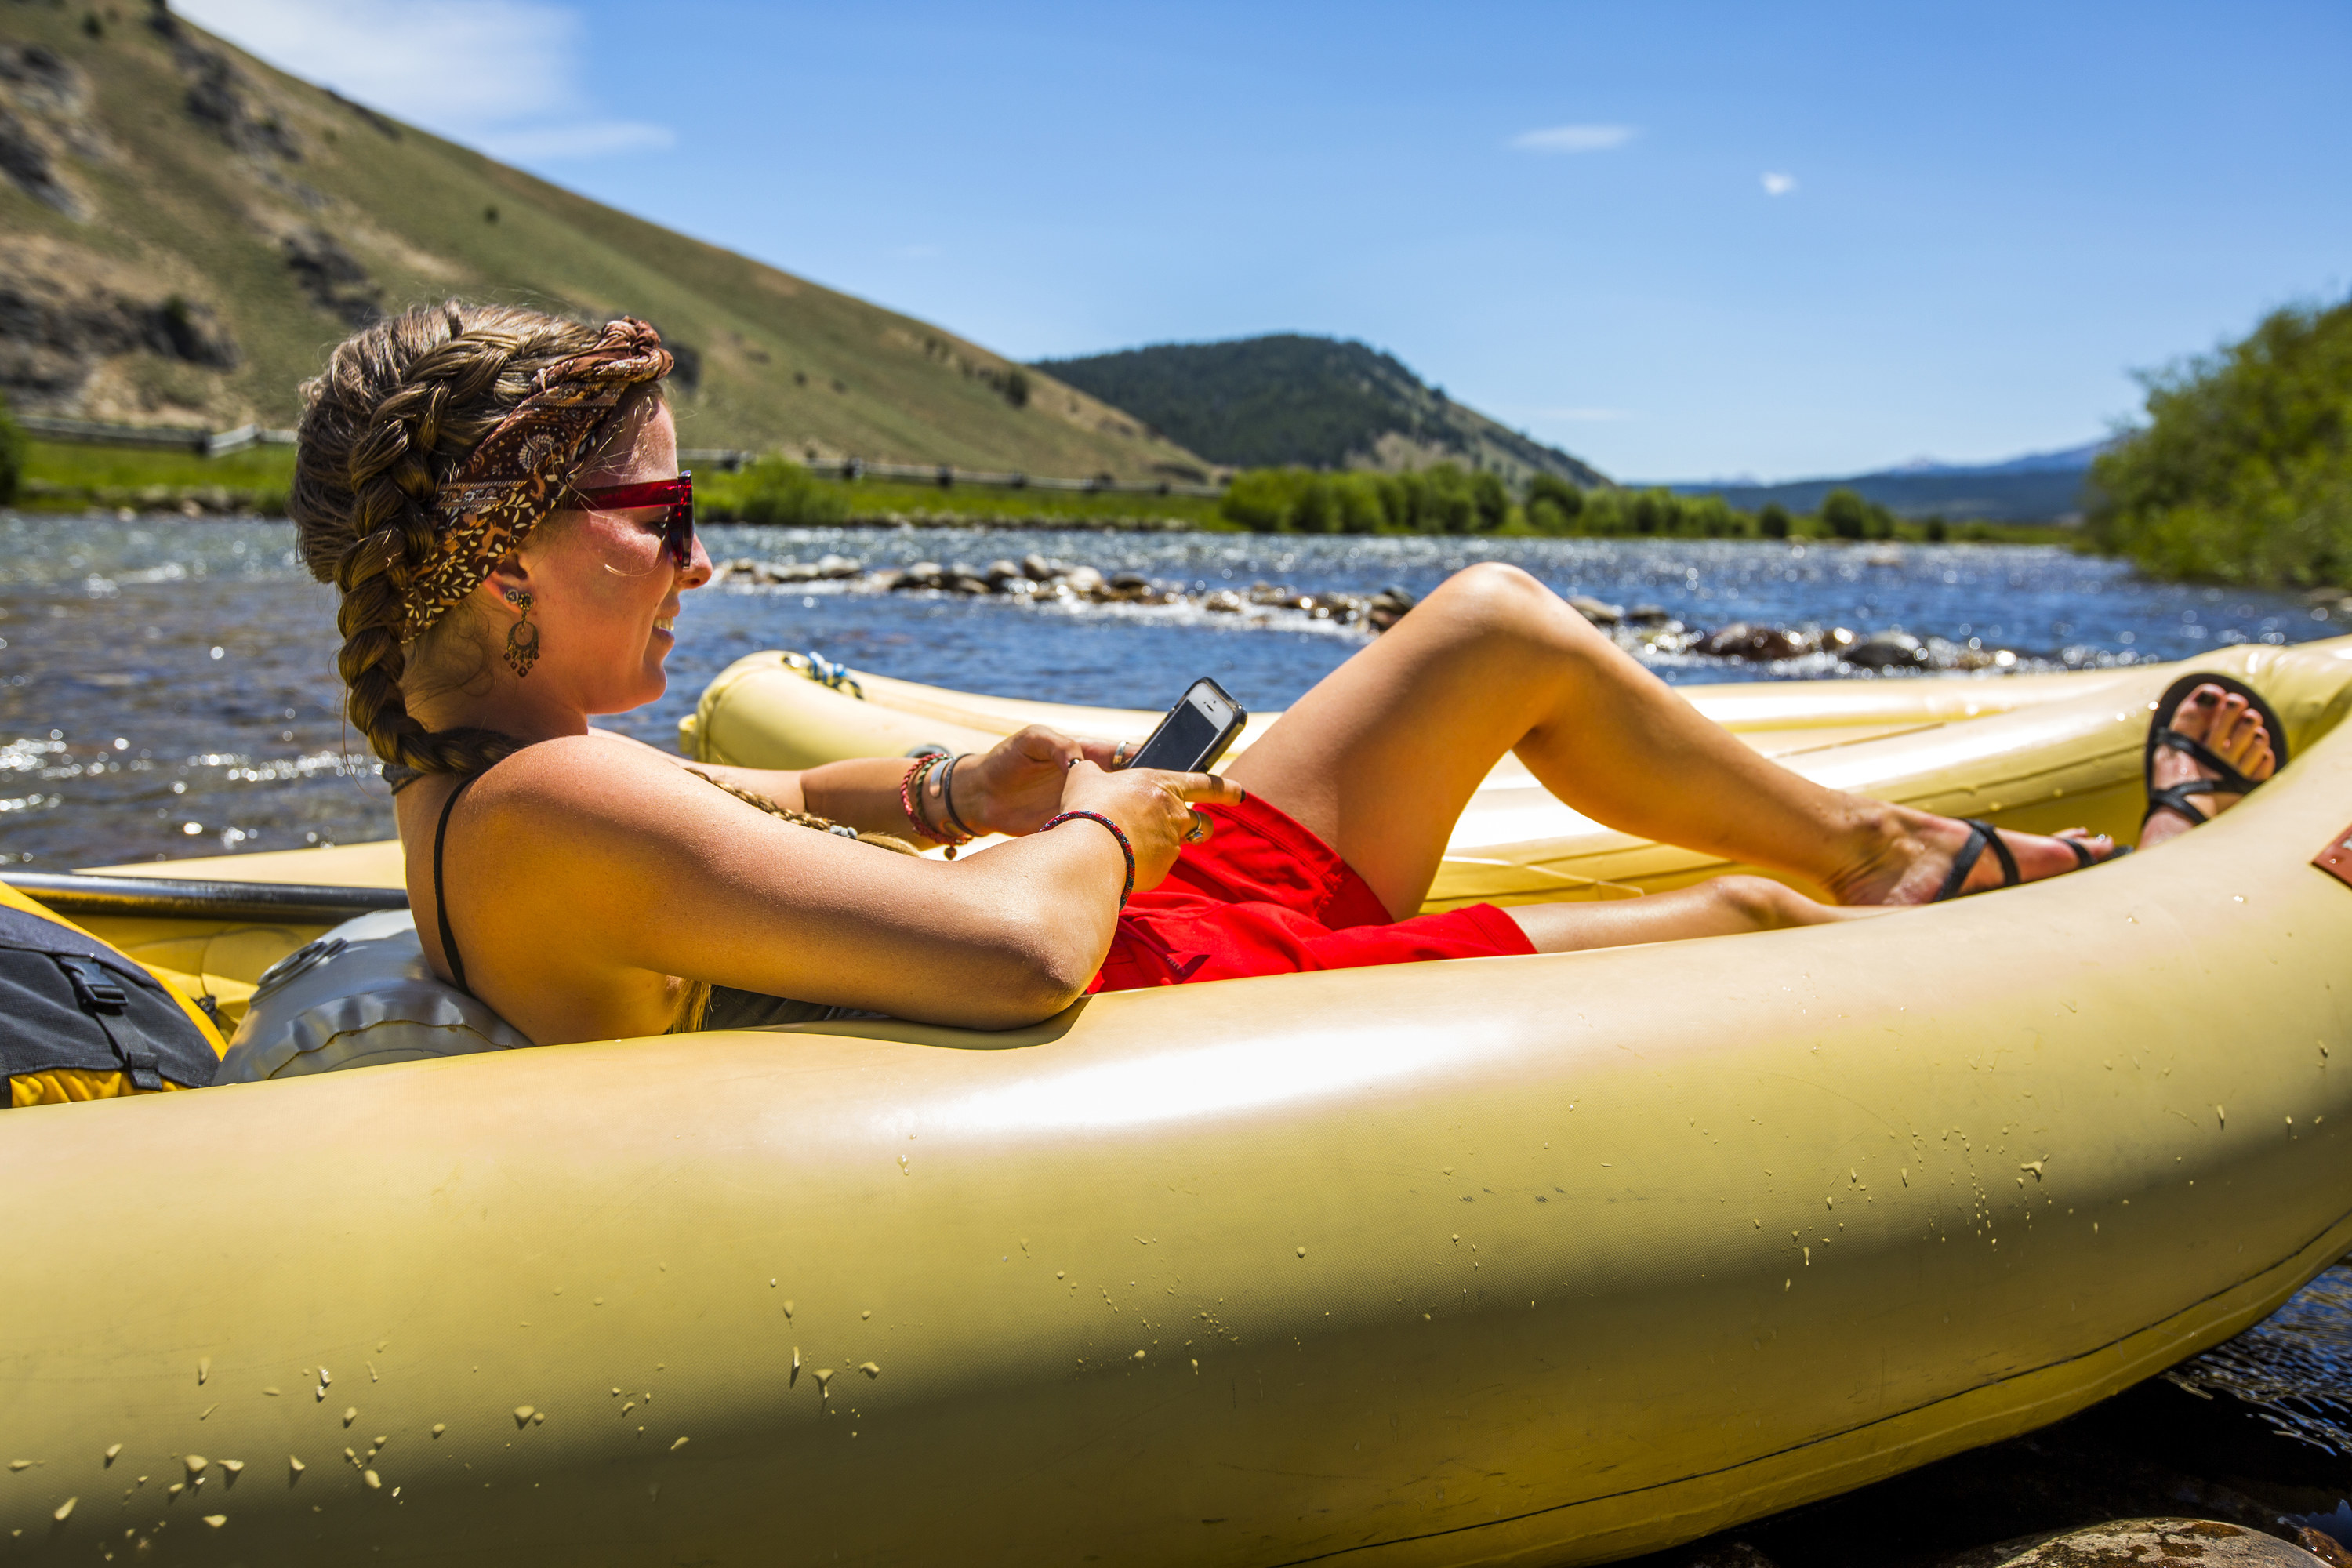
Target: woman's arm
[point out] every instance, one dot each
(611, 866)
(1012, 788)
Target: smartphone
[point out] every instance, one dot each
(1196, 733)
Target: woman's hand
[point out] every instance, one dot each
(1154, 806)
(1016, 785)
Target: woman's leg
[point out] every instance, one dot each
(1381, 756)
(1724, 906)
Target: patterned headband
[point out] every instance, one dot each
(516, 476)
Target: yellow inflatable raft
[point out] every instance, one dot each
(1527, 1260)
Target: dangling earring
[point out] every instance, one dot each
(522, 638)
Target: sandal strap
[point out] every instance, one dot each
(1981, 837)
(2231, 781)
(2176, 798)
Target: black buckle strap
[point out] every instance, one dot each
(94, 992)
(98, 994)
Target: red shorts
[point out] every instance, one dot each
(1264, 896)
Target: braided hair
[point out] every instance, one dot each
(397, 410)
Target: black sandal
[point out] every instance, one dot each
(2162, 736)
(1983, 836)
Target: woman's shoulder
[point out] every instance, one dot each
(575, 776)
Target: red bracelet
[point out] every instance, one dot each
(911, 791)
(1116, 832)
(909, 782)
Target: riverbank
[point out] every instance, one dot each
(62, 477)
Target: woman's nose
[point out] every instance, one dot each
(698, 567)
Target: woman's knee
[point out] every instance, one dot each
(1497, 597)
(1759, 903)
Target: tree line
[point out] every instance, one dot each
(1448, 498)
(2244, 471)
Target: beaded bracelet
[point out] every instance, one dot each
(1116, 832)
(911, 791)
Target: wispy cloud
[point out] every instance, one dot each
(1574, 138)
(1778, 185)
(505, 76)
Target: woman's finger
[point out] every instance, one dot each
(1107, 755)
(1212, 789)
(1040, 744)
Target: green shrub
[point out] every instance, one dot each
(2244, 471)
(12, 456)
(1772, 523)
(779, 492)
(1844, 513)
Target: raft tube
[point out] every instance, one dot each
(1530, 1260)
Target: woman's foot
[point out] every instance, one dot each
(1910, 855)
(2224, 723)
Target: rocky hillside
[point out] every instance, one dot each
(185, 231)
(1319, 403)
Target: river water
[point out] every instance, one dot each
(167, 688)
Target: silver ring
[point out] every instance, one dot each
(1200, 829)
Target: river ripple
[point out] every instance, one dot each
(168, 689)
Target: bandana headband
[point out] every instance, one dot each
(513, 478)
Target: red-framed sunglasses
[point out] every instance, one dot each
(676, 522)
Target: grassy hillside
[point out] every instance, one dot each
(185, 231)
(1315, 403)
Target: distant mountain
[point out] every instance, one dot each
(1319, 403)
(184, 232)
(2040, 487)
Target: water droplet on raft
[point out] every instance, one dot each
(674, 1448)
(65, 1510)
(871, 1369)
(1449, 1169)
(15, 1464)
(438, 1428)
(522, 1414)
(1138, 1355)
(297, 1464)
(325, 1379)
(351, 1414)
(270, 1392)
(1302, 1252)
(175, 1489)
(374, 1481)
(203, 1369)
(796, 1368)
(235, 1468)
(195, 1463)
(788, 1306)
(112, 1452)
(1057, 1274)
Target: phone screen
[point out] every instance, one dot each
(1181, 742)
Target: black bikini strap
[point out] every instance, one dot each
(440, 898)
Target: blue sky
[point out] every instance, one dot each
(1680, 241)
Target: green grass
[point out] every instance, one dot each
(719, 498)
(68, 476)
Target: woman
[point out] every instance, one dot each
(490, 489)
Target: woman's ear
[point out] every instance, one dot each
(511, 576)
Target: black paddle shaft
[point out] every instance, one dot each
(175, 899)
